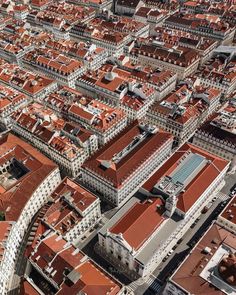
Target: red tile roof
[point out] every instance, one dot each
(13, 200)
(117, 173)
(200, 182)
(62, 216)
(229, 212)
(92, 281)
(142, 219)
(28, 289)
(188, 275)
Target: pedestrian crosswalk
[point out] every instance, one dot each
(151, 283)
(222, 196)
(154, 285)
(133, 285)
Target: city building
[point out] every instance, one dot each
(6, 7)
(118, 169)
(33, 85)
(202, 45)
(209, 268)
(44, 130)
(153, 17)
(129, 7)
(72, 212)
(58, 18)
(4, 21)
(90, 55)
(122, 24)
(220, 73)
(112, 41)
(110, 84)
(61, 99)
(20, 12)
(27, 179)
(163, 81)
(218, 134)
(63, 69)
(67, 270)
(97, 5)
(148, 226)
(204, 25)
(10, 102)
(40, 4)
(13, 47)
(81, 137)
(181, 60)
(7, 257)
(184, 110)
(227, 218)
(104, 121)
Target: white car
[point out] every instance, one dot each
(232, 193)
(171, 251)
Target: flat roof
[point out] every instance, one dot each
(188, 168)
(197, 182)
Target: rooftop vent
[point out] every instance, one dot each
(207, 250)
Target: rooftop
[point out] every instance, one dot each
(222, 125)
(81, 274)
(153, 234)
(16, 194)
(25, 81)
(229, 212)
(198, 274)
(54, 60)
(9, 97)
(70, 200)
(96, 114)
(180, 56)
(140, 222)
(121, 156)
(63, 15)
(185, 103)
(184, 175)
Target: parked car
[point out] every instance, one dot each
(233, 190)
(164, 259)
(180, 241)
(232, 193)
(175, 246)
